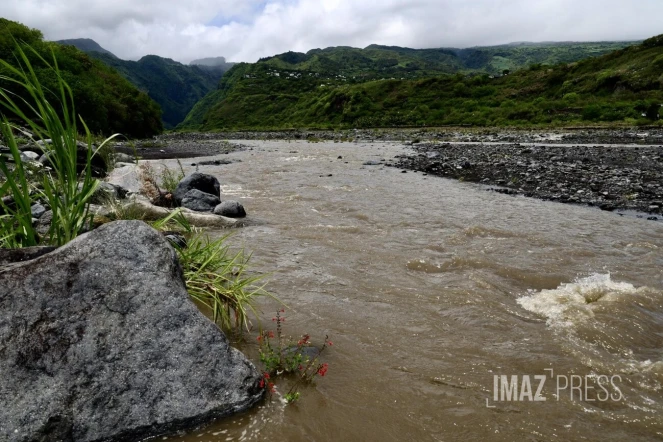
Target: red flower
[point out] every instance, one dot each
(265, 375)
(271, 387)
(282, 310)
(261, 383)
(300, 368)
(270, 334)
(322, 370)
(330, 343)
(259, 338)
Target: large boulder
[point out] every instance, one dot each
(199, 201)
(231, 209)
(100, 341)
(200, 181)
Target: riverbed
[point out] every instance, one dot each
(431, 288)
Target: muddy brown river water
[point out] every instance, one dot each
(444, 301)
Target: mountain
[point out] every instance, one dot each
(376, 61)
(86, 45)
(174, 86)
(107, 102)
(383, 86)
(213, 62)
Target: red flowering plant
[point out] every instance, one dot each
(300, 359)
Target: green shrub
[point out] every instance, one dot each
(66, 191)
(218, 279)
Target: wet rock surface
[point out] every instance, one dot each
(100, 341)
(199, 201)
(231, 209)
(205, 183)
(611, 177)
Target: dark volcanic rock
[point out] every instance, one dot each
(100, 341)
(201, 181)
(199, 201)
(231, 209)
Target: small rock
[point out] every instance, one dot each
(37, 211)
(124, 158)
(176, 239)
(29, 156)
(231, 209)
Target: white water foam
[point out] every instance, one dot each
(609, 325)
(573, 302)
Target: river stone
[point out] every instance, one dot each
(29, 155)
(106, 192)
(199, 201)
(124, 158)
(231, 209)
(37, 210)
(200, 181)
(100, 341)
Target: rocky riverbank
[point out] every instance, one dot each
(613, 169)
(652, 135)
(189, 146)
(611, 177)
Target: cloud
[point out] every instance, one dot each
(245, 30)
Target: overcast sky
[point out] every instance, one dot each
(245, 30)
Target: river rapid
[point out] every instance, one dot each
(444, 301)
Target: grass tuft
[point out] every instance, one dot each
(66, 191)
(218, 278)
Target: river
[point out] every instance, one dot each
(440, 297)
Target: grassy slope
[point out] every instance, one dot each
(619, 86)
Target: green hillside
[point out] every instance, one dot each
(106, 101)
(307, 90)
(86, 45)
(174, 86)
(376, 62)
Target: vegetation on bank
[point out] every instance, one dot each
(66, 190)
(300, 360)
(214, 276)
(623, 86)
(108, 102)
